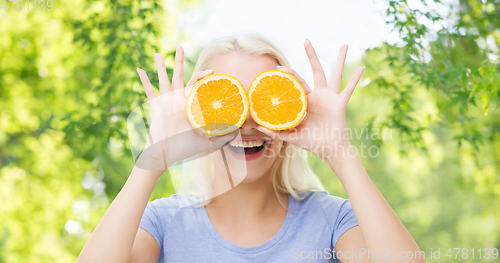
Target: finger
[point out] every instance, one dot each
(284, 135)
(150, 91)
(219, 141)
(336, 79)
(162, 74)
(199, 75)
(266, 131)
(178, 77)
(299, 78)
(349, 89)
(317, 69)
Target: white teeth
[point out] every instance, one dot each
(246, 144)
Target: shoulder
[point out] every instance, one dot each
(324, 199)
(167, 208)
(335, 209)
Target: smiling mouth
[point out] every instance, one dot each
(249, 146)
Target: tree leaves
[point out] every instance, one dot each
(67, 85)
(453, 63)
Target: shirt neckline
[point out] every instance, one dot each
(255, 249)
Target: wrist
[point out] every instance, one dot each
(341, 156)
(337, 149)
(148, 173)
(154, 159)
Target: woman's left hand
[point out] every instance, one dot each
(324, 129)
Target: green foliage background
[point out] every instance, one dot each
(68, 83)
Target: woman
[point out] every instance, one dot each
(273, 214)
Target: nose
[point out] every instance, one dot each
(249, 125)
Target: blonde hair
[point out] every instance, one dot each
(290, 172)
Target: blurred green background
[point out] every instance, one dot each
(68, 83)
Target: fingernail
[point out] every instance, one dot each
(280, 67)
(229, 137)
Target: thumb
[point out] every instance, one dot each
(283, 135)
(268, 132)
(219, 141)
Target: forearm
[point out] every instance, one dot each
(381, 227)
(113, 237)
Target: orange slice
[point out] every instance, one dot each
(277, 100)
(217, 104)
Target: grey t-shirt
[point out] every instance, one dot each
(309, 233)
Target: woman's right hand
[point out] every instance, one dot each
(171, 137)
